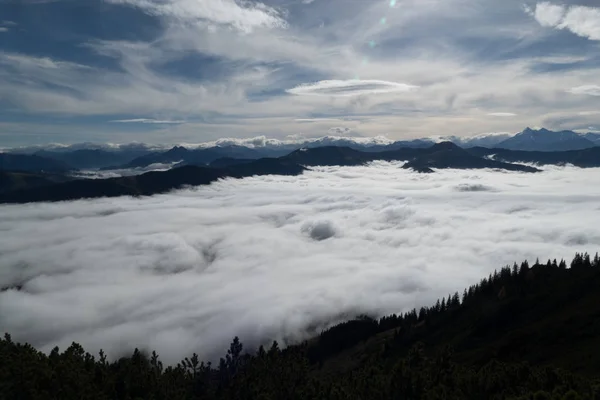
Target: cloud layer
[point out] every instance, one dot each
(590, 90)
(147, 121)
(247, 68)
(353, 87)
(244, 16)
(275, 257)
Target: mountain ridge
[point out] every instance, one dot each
(147, 184)
(447, 154)
(263, 144)
(546, 140)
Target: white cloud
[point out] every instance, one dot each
(548, 14)
(306, 120)
(339, 130)
(590, 90)
(244, 16)
(115, 173)
(4, 25)
(581, 20)
(502, 114)
(147, 121)
(293, 141)
(267, 258)
(352, 87)
(586, 113)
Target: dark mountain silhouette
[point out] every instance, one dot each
(335, 155)
(90, 159)
(416, 143)
(31, 163)
(441, 155)
(586, 158)
(264, 166)
(546, 140)
(236, 151)
(322, 155)
(16, 180)
(176, 154)
(593, 137)
(149, 183)
(329, 155)
(448, 155)
(140, 156)
(228, 162)
(200, 157)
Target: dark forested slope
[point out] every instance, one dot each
(524, 332)
(586, 158)
(17, 180)
(441, 155)
(149, 183)
(91, 158)
(448, 155)
(31, 163)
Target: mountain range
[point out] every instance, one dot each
(448, 155)
(546, 140)
(441, 155)
(136, 155)
(51, 175)
(31, 163)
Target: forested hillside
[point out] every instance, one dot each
(524, 332)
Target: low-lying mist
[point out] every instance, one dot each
(275, 257)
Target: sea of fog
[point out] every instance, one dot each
(276, 257)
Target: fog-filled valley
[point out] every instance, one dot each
(276, 257)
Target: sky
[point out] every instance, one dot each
(276, 257)
(172, 71)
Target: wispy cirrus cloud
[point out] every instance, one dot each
(309, 120)
(244, 16)
(352, 87)
(148, 121)
(502, 114)
(590, 90)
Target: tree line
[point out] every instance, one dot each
(436, 352)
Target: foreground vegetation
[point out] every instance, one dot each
(524, 332)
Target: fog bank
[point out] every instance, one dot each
(275, 257)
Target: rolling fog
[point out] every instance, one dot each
(276, 257)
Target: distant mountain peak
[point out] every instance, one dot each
(546, 140)
(444, 146)
(178, 149)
